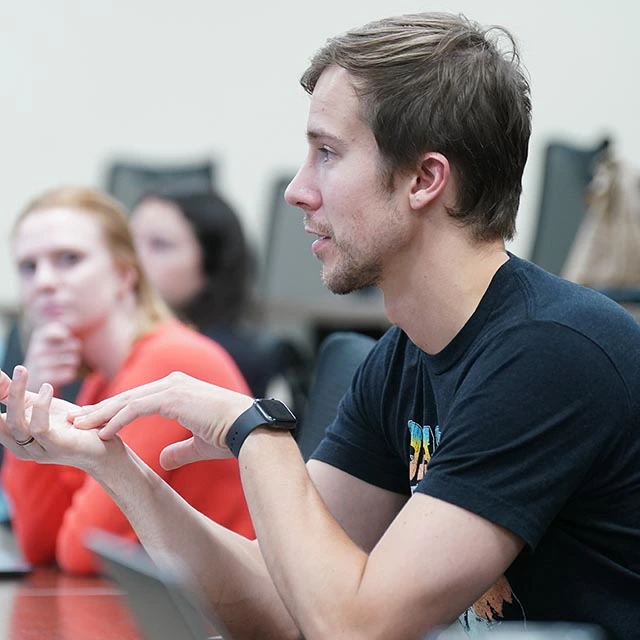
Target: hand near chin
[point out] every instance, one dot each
(54, 355)
(206, 410)
(36, 427)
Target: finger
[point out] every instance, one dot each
(145, 406)
(39, 425)
(63, 375)
(56, 331)
(16, 404)
(92, 416)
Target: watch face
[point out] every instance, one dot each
(275, 410)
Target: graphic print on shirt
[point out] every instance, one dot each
(422, 444)
(488, 610)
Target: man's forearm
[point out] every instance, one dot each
(314, 564)
(225, 569)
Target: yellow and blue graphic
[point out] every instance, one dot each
(488, 610)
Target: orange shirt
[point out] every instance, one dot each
(53, 507)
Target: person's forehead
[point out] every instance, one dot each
(50, 229)
(161, 217)
(334, 102)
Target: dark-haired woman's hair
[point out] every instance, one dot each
(228, 263)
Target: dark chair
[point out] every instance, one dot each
(339, 355)
(291, 272)
(282, 360)
(568, 170)
(128, 181)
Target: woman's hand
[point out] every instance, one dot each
(37, 427)
(208, 411)
(54, 355)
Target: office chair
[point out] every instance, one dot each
(339, 355)
(291, 272)
(568, 170)
(128, 181)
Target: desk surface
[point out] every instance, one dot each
(49, 605)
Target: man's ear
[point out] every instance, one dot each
(430, 180)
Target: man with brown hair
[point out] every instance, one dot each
(485, 464)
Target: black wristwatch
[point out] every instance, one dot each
(264, 412)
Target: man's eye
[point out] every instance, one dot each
(326, 154)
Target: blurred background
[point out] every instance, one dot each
(85, 84)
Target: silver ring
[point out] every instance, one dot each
(24, 443)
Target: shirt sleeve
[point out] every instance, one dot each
(356, 441)
(39, 496)
(528, 424)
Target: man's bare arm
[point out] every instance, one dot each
(362, 510)
(433, 562)
(226, 570)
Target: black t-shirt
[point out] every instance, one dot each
(530, 418)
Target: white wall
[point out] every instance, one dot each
(171, 80)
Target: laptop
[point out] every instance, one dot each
(160, 604)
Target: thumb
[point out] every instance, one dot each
(178, 454)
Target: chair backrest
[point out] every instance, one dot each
(338, 357)
(127, 181)
(568, 170)
(291, 272)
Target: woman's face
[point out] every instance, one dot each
(169, 251)
(66, 271)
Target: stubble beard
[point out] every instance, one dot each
(351, 274)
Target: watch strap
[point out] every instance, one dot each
(248, 421)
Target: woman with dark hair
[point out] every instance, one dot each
(194, 251)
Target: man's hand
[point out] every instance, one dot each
(53, 356)
(208, 411)
(41, 423)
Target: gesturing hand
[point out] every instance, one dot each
(36, 427)
(206, 410)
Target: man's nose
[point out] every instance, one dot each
(301, 192)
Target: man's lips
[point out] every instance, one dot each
(318, 244)
(320, 234)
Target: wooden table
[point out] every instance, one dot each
(49, 605)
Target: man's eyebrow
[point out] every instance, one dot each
(317, 134)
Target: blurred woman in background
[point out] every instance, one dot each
(194, 251)
(89, 306)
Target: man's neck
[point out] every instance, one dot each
(434, 293)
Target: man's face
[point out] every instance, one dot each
(341, 190)
(67, 273)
